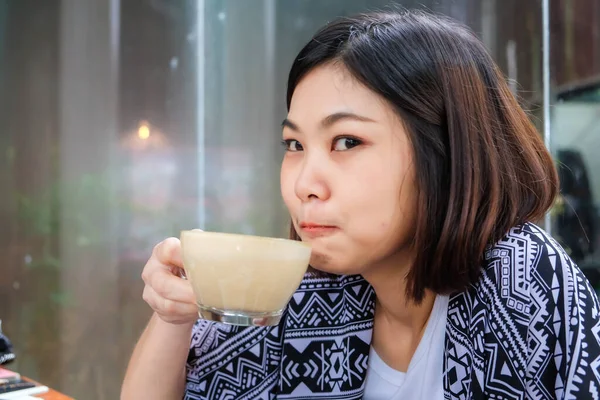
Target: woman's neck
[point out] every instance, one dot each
(389, 282)
(399, 321)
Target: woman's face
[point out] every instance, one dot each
(347, 177)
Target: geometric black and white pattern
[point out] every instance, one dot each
(528, 329)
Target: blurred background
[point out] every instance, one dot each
(124, 121)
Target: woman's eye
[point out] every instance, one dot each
(345, 143)
(292, 145)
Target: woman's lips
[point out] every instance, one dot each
(314, 230)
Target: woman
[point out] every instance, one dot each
(415, 176)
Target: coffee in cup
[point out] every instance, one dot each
(242, 279)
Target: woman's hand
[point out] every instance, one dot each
(170, 296)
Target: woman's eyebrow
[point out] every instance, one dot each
(341, 116)
(329, 121)
(289, 124)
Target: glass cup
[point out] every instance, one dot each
(240, 279)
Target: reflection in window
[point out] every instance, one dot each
(576, 142)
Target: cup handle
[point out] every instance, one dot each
(180, 272)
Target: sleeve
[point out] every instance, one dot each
(202, 340)
(206, 339)
(227, 361)
(564, 331)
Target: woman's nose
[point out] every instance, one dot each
(311, 182)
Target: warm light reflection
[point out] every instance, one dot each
(144, 132)
(144, 137)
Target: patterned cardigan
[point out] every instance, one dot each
(528, 329)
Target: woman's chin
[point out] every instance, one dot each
(327, 265)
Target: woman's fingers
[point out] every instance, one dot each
(168, 252)
(169, 286)
(170, 296)
(169, 310)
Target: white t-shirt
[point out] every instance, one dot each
(423, 380)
